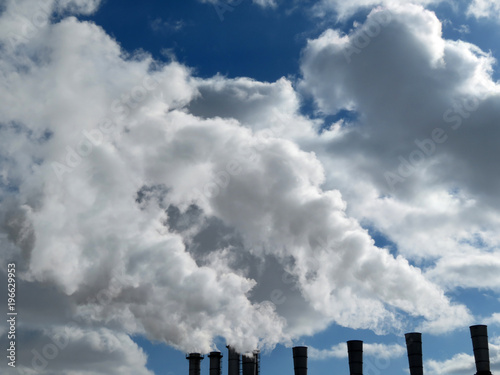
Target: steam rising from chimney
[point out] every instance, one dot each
(300, 360)
(355, 353)
(479, 336)
(414, 348)
(194, 363)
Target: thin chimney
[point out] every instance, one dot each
(194, 363)
(479, 336)
(300, 360)
(215, 360)
(233, 362)
(414, 349)
(355, 353)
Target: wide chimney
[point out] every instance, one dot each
(355, 353)
(233, 362)
(249, 363)
(414, 349)
(194, 363)
(215, 360)
(479, 336)
(300, 360)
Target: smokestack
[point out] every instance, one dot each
(249, 364)
(479, 336)
(355, 353)
(194, 363)
(233, 362)
(414, 348)
(215, 360)
(300, 360)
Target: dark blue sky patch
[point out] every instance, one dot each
(250, 41)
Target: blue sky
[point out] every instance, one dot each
(175, 177)
(195, 34)
(214, 39)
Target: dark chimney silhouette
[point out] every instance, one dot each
(300, 360)
(355, 353)
(479, 336)
(233, 361)
(249, 364)
(194, 363)
(215, 361)
(414, 349)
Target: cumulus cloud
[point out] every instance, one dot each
(493, 319)
(464, 271)
(462, 363)
(484, 9)
(70, 349)
(343, 9)
(417, 163)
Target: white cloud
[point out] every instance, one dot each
(484, 9)
(473, 270)
(227, 4)
(78, 6)
(463, 363)
(463, 29)
(159, 25)
(70, 349)
(266, 3)
(381, 351)
(435, 198)
(493, 319)
(459, 364)
(174, 214)
(26, 19)
(344, 9)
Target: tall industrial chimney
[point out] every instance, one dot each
(479, 335)
(249, 363)
(300, 360)
(215, 360)
(355, 353)
(233, 362)
(414, 349)
(194, 363)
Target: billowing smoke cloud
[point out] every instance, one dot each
(153, 207)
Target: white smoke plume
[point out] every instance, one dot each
(139, 209)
